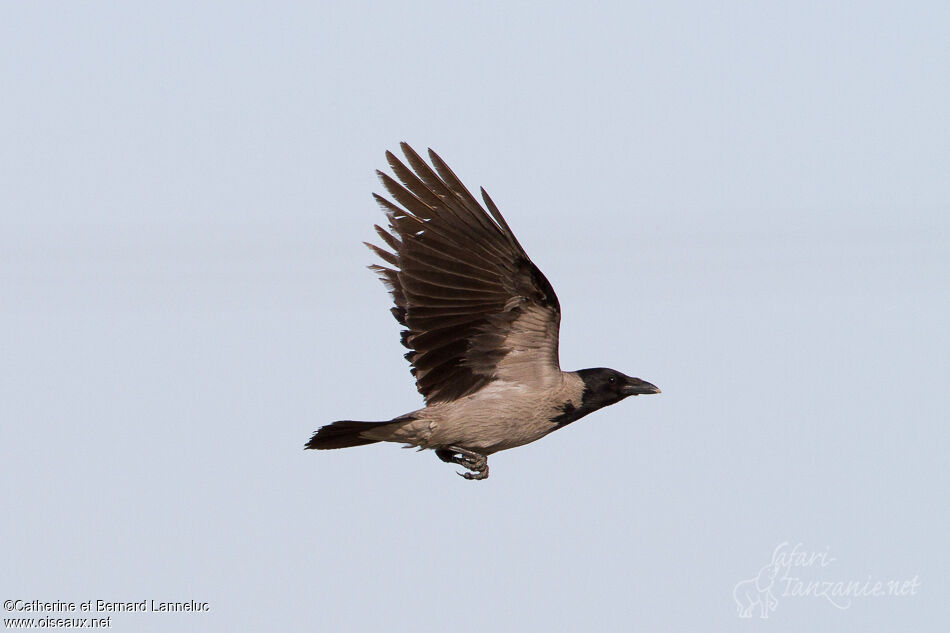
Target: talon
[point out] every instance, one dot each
(470, 460)
(478, 475)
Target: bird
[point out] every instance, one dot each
(481, 325)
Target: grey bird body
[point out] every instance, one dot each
(481, 325)
(500, 416)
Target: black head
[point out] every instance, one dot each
(604, 387)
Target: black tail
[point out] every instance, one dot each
(343, 434)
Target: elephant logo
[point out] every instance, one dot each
(757, 591)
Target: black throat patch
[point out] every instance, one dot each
(570, 413)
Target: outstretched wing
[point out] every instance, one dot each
(474, 306)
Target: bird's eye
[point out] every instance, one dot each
(612, 380)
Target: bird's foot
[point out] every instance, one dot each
(478, 474)
(475, 462)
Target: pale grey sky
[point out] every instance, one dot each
(743, 203)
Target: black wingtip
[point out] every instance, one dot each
(408, 152)
(392, 159)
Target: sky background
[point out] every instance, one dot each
(747, 204)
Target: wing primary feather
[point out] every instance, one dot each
(451, 266)
(406, 198)
(496, 213)
(422, 192)
(397, 216)
(449, 177)
(449, 199)
(399, 219)
(390, 240)
(412, 181)
(424, 171)
(385, 255)
(461, 191)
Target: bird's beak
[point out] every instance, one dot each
(637, 387)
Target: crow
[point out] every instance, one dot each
(481, 325)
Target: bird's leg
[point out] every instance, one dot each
(475, 462)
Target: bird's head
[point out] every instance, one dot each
(603, 387)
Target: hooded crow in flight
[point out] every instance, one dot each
(481, 325)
